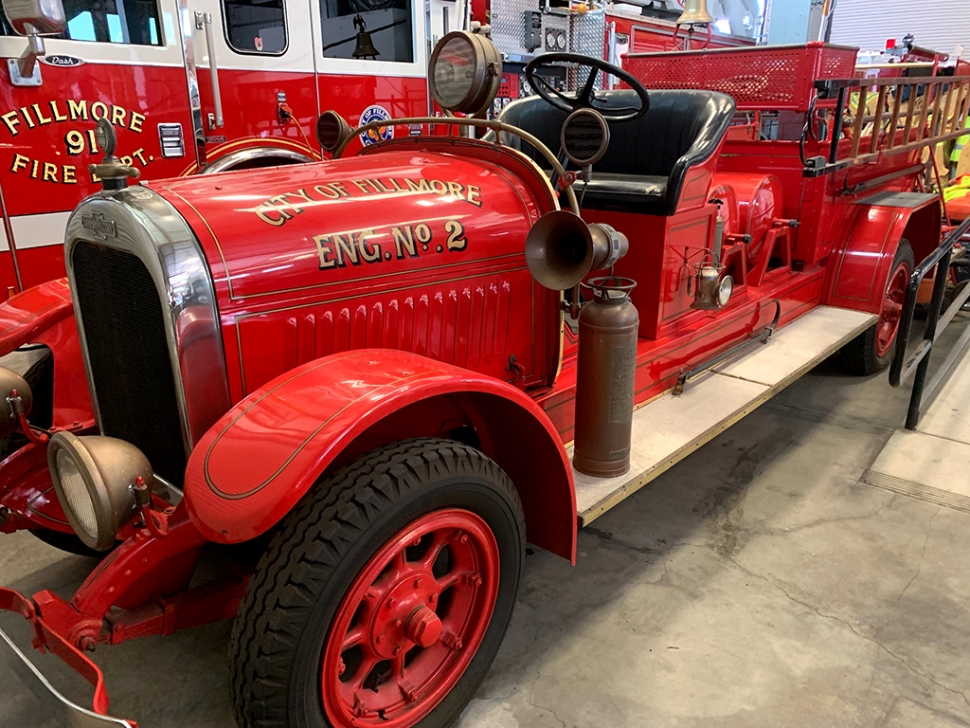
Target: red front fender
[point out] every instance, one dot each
(28, 314)
(262, 456)
(44, 315)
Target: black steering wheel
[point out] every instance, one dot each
(586, 98)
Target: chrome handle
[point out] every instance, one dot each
(203, 21)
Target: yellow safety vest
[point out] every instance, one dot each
(960, 142)
(957, 189)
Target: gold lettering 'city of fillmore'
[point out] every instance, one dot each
(77, 141)
(276, 210)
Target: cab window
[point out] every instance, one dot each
(255, 26)
(134, 22)
(349, 24)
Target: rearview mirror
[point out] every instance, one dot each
(32, 18)
(41, 17)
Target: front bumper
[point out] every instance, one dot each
(68, 713)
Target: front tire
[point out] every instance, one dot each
(383, 599)
(873, 350)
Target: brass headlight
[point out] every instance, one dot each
(93, 477)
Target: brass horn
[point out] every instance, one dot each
(559, 250)
(695, 11)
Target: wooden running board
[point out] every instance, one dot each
(669, 428)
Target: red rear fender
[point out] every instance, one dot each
(262, 456)
(857, 273)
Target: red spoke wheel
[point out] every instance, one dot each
(383, 599)
(411, 622)
(872, 350)
(892, 308)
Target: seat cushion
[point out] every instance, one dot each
(624, 192)
(646, 157)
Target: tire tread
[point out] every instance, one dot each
(309, 544)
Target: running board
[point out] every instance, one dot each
(669, 428)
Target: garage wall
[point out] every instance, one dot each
(937, 24)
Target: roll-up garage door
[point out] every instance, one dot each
(936, 24)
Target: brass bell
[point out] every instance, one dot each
(365, 46)
(695, 11)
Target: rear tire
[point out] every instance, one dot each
(429, 528)
(68, 542)
(873, 350)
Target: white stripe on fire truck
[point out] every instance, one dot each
(38, 231)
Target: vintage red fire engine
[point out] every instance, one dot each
(368, 370)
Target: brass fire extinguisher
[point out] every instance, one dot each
(606, 372)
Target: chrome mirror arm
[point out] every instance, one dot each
(34, 50)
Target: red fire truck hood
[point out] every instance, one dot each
(289, 231)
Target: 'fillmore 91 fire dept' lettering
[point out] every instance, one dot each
(76, 141)
(71, 110)
(398, 242)
(277, 209)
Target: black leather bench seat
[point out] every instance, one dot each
(625, 192)
(645, 165)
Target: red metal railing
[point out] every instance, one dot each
(776, 78)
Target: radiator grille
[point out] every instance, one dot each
(128, 355)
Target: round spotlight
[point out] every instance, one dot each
(465, 72)
(93, 477)
(332, 131)
(10, 381)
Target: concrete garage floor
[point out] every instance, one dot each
(757, 583)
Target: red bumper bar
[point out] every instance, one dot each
(46, 639)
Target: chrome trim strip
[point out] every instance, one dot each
(241, 156)
(66, 712)
(186, 25)
(203, 21)
(149, 227)
(11, 243)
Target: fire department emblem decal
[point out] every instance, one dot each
(381, 134)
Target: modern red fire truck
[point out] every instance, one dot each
(201, 86)
(148, 68)
(374, 371)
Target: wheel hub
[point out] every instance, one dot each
(892, 308)
(411, 622)
(405, 615)
(423, 627)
